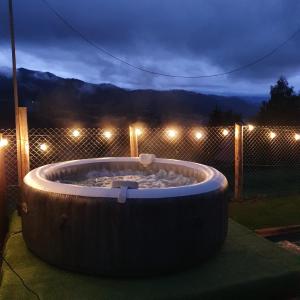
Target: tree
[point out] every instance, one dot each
(283, 107)
(223, 118)
(281, 89)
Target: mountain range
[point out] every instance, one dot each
(54, 101)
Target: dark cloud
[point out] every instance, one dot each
(191, 37)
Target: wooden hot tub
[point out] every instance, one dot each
(155, 230)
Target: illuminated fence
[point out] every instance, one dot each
(271, 161)
(54, 145)
(271, 146)
(10, 154)
(206, 145)
(271, 154)
(213, 145)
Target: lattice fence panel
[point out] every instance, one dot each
(271, 146)
(207, 145)
(271, 166)
(62, 145)
(271, 160)
(11, 171)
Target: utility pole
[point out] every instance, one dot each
(13, 54)
(15, 87)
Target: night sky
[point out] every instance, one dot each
(186, 37)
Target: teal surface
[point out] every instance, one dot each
(248, 267)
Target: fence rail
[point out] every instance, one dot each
(271, 154)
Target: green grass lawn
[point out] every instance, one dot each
(271, 182)
(267, 212)
(247, 267)
(271, 198)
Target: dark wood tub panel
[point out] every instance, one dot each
(142, 236)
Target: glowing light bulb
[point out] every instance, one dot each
(3, 142)
(107, 134)
(76, 133)
(225, 132)
(297, 136)
(138, 131)
(44, 147)
(198, 135)
(172, 133)
(250, 127)
(272, 135)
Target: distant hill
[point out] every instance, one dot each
(53, 101)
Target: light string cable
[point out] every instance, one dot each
(16, 273)
(21, 279)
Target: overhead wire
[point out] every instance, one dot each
(157, 73)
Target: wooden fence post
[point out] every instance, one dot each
(134, 151)
(238, 162)
(3, 217)
(23, 145)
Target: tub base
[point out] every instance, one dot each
(101, 236)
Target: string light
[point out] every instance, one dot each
(3, 142)
(171, 133)
(198, 135)
(225, 132)
(76, 133)
(272, 135)
(44, 147)
(250, 127)
(138, 131)
(107, 134)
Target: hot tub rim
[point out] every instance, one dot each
(36, 179)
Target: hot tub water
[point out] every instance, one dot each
(146, 178)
